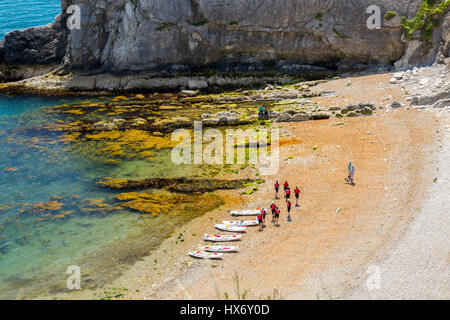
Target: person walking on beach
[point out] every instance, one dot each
(261, 223)
(297, 195)
(288, 194)
(289, 205)
(352, 175)
(277, 216)
(273, 206)
(263, 213)
(277, 187)
(349, 169)
(286, 185)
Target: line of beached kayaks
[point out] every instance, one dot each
(216, 250)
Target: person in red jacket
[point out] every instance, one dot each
(277, 215)
(260, 220)
(263, 214)
(273, 207)
(297, 196)
(277, 187)
(289, 205)
(288, 193)
(286, 185)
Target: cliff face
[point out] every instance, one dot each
(143, 35)
(232, 35)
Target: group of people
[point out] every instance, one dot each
(287, 196)
(275, 216)
(275, 209)
(287, 193)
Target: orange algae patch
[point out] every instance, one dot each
(105, 135)
(70, 137)
(155, 204)
(63, 215)
(112, 183)
(142, 140)
(146, 207)
(146, 203)
(5, 207)
(99, 205)
(115, 150)
(132, 143)
(119, 98)
(75, 112)
(146, 154)
(92, 200)
(134, 196)
(50, 205)
(111, 161)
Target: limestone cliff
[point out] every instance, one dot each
(141, 35)
(128, 36)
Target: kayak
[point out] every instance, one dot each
(226, 227)
(219, 248)
(245, 212)
(222, 238)
(205, 255)
(242, 223)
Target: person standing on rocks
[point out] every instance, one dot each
(261, 112)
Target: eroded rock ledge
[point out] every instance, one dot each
(182, 185)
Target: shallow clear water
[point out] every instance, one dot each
(37, 168)
(22, 14)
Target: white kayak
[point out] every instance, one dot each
(222, 238)
(227, 227)
(205, 255)
(219, 248)
(246, 212)
(242, 223)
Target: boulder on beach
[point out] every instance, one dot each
(189, 93)
(285, 117)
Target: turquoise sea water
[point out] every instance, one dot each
(22, 14)
(38, 168)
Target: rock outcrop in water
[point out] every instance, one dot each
(181, 185)
(188, 36)
(37, 45)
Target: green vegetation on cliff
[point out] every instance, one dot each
(427, 17)
(390, 15)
